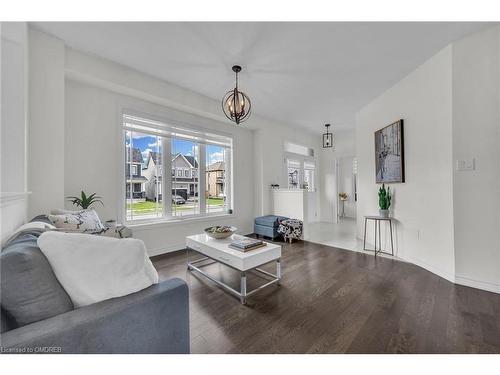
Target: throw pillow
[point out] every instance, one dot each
(86, 220)
(95, 268)
(60, 211)
(30, 290)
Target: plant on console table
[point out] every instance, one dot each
(384, 201)
(85, 201)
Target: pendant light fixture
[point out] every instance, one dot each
(327, 138)
(236, 104)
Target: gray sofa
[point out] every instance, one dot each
(37, 315)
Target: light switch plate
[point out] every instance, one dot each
(466, 164)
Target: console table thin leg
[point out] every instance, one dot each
(243, 288)
(364, 237)
(392, 244)
(278, 271)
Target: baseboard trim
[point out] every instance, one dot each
(165, 250)
(429, 267)
(490, 287)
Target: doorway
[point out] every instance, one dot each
(341, 230)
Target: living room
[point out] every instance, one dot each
(309, 188)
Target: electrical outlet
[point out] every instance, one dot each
(466, 164)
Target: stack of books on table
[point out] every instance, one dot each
(246, 244)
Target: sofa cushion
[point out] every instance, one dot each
(85, 220)
(30, 291)
(269, 220)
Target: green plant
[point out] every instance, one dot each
(85, 201)
(384, 198)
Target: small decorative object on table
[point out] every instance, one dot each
(384, 201)
(220, 231)
(246, 244)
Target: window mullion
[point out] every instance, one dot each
(228, 188)
(202, 180)
(167, 177)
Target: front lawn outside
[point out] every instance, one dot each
(154, 209)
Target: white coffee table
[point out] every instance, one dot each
(219, 251)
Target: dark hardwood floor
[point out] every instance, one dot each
(338, 301)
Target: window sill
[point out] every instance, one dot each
(177, 221)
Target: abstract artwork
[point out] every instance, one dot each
(389, 153)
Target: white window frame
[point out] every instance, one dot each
(173, 129)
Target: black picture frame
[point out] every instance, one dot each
(389, 154)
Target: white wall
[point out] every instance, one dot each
(448, 219)
(46, 123)
(14, 65)
(476, 135)
(423, 205)
(345, 146)
(92, 138)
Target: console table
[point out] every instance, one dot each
(377, 220)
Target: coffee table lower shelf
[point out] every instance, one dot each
(243, 293)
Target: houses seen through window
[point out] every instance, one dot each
(216, 161)
(150, 144)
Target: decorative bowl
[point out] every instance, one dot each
(220, 232)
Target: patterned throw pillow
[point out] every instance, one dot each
(84, 221)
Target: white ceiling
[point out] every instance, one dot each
(302, 74)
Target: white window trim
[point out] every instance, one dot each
(167, 186)
(301, 159)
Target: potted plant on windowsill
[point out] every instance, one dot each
(384, 201)
(85, 201)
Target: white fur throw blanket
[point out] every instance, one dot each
(94, 268)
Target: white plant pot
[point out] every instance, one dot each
(383, 213)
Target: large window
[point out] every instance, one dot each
(200, 182)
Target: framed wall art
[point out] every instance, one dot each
(389, 154)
